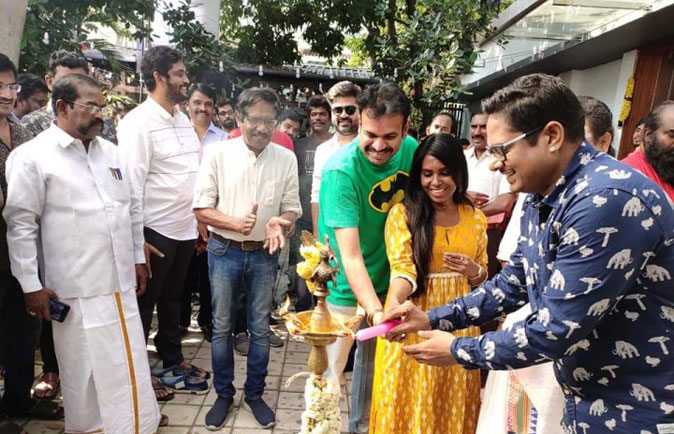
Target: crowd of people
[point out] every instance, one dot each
(111, 218)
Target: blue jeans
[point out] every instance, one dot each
(232, 270)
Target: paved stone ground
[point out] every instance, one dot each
(187, 412)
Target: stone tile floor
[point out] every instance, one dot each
(187, 412)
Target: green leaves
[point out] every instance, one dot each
(433, 46)
(68, 23)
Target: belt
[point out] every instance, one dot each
(246, 246)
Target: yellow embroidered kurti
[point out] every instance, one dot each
(409, 397)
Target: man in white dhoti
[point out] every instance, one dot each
(70, 205)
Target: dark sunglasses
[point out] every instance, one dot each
(349, 109)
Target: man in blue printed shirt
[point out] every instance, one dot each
(595, 259)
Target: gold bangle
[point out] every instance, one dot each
(479, 273)
(471, 280)
(371, 314)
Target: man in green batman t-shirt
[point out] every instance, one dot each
(359, 185)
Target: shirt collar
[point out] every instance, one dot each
(161, 110)
(470, 153)
(12, 118)
(584, 153)
(213, 129)
(62, 138)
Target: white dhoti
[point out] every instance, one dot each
(105, 375)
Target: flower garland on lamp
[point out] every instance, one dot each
(627, 102)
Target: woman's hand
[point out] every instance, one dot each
(460, 263)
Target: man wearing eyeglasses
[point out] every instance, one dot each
(343, 98)
(247, 193)
(62, 63)
(70, 206)
(595, 259)
(225, 116)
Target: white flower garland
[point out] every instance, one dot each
(322, 415)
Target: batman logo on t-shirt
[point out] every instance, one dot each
(388, 192)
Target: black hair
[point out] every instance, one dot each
(448, 114)
(464, 142)
(642, 121)
(202, 88)
(67, 59)
(30, 84)
(290, 114)
(343, 89)
(225, 102)
(599, 115)
(6, 64)
(533, 100)
(254, 95)
(318, 101)
(652, 121)
(384, 98)
(420, 211)
(159, 58)
(67, 88)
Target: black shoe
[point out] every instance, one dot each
(275, 341)
(217, 416)
(208, 332)
(41, 410)
(263, 415)
(241, 344)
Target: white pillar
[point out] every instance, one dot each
(12, 19)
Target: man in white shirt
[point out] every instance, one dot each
(488, 190)
(70, 203)
(345, 118)
(161, 154)
(248, 195)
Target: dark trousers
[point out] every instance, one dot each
(50, 364)
(197, 282)
(18, 331)
(165, 290)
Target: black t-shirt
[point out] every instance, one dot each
(305, 150)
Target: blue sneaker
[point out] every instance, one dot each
(217, 416)
(264, 416)
(186, 384)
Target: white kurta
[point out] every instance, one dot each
(76, 210)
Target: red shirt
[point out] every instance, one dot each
(278, 137)
(638, 160)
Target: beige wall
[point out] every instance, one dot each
(11, 26)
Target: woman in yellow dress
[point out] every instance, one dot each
(436, 244)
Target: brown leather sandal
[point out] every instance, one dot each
(48, 386)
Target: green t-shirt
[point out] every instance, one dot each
(358, 194)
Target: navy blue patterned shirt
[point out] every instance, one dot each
(595, 259)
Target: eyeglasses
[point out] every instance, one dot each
(499, 151)
(349, 109)
(92, 109)
(256, 122)
(14, 88)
